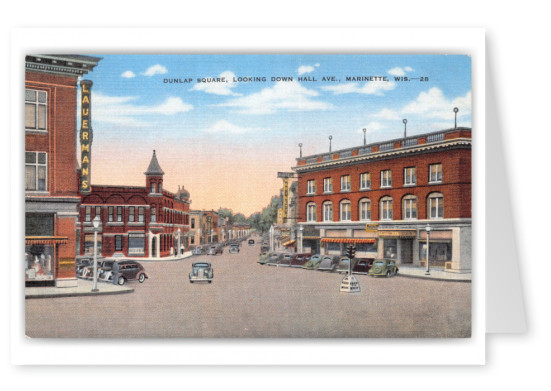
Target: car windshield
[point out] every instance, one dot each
(379, 263)
(200, 265)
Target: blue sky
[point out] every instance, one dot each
(135, 111)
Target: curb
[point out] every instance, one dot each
(431, 278)
(74, 294)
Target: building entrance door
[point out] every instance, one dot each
(406, 251)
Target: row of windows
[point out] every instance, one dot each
(435, 209)
(154, 188)
(410, 179)
(135, 214)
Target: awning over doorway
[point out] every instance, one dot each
(348, 240)
(46, 240)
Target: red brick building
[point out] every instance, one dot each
(136, 221)
(382, 196)
(51, 186)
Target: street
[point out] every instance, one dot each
(246, 299)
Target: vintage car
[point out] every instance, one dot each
(105, 272)
(214, 250)
(251, 242)
(383, 267)
(328, 263)
(234, 248)
(197, 251)
(274, 258)
(300, 259)
(126, 270)
(313, 262)
(362, 265)
(264, 257)
(286, 260)
(344, 265)
(201, 271)
(82, 263)
(264, 249)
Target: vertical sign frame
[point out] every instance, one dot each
(86, 135)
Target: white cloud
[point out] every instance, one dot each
(397, 71)
(433, 104)
(388, 114)
(124, 110)
(373, 127)
(283, 96)
(369, 88)
(226, 127)
(218, 88)
(305, 69)
(128, 75)
(155, 70)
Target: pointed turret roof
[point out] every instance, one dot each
(154, 167)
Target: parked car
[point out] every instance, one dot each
(264, 257)
(123, 271)
(197, 251)
(313, 263)
(251, 242)
(82, 263)
(201, 271)
(264, 249)
(383, 267)
(300, 259)
(274, 258)
(234, 249)
(344, 265)
(214, 250)
(328, 263)
(286, 260)
(105, 272)
(363, 265)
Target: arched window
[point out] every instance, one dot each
(346, 210)
(435, 206)
(327, 211)
(153, 188)
(365, 209)
(311, 212)
(409, 207)
(386, 208)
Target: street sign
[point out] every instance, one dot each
(285, 174)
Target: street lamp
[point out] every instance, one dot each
(300, 146)
(330, 138)
(96, 223)
(455, 110)
(405, 121)
(428, 228)
(364, 130)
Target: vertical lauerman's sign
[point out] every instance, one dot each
(85, 135)
(285, 198)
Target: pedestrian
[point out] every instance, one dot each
(115, 272)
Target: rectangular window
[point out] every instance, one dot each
(88, 213)
(36, 110)
(192, 223)
(35, 171)
(345, 183)
(311, 187)
(436, 207)
(136, 244)
(141, 215)
(386, 178)
(435, 173)
(311, 212)
(410, 209)
(131, 211)
(110, 213)
(118, 243)
(328, 212)
(345, 211)
(89, 244)
(98, 212)
(153, 215)
(386, 210)
(365, 210)
(327, 185)
(119, 213)
(410, 176)
(153, 188)
(365, 181)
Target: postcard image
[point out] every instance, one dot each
(248, 196)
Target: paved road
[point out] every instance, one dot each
(250, 300)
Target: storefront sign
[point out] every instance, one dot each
(85, 135)
(279, 216)
(285, 198)
(371, 227)
(400, 234)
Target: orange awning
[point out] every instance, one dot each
(348, 240)
(288, 243)
(46, 240)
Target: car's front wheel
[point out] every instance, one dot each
(121, 280)
(141, 278)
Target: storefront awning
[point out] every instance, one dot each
(30, 240)
(348, 240)
(288, 243)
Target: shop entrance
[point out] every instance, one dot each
(406, 251)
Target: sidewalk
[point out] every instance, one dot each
(435, 274)
(84, 288)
